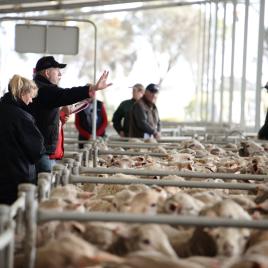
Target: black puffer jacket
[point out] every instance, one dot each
(21, 146)
(45, 108)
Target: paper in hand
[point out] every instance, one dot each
(79, 106)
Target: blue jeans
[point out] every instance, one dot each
(45, 164)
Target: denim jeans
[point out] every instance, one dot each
(45, 164)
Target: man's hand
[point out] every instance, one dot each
(66, 110)
(122, 134)
(100, 85)
(157, 135)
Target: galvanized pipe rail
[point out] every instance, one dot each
(45, 184)
(187, 174)
(172, 143)
(76, 141)
(186, 184)
(166, 145)
(77, 156)
(17, 205)
(16, 211)
(161, 140)
(117, 152)
(7, 231)
(30, 223)
(5, 238)
(200, 221)
(142, 145)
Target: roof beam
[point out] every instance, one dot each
(40, 5)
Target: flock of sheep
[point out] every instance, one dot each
(75, 243)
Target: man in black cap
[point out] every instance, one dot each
(121, 115)
(144, 117)
(45, 107)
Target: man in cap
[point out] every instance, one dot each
(121, 115)
(45, 107)
(144, 117)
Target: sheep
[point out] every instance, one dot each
(182, 203)
(259, 248)
(123, 199)
(229, 241)
(208, 197)
(99, 205)
(70, 192)
(154, 259)
(207, 262)
(247, 261)
(70, 251)
(103, 235)
(181, 241)
(144, 202)
(214, 241)
(172, 189)
(146, 238)
(256, 237)
(250, 148)
(227, 209)
(193, 144)
(244, 201)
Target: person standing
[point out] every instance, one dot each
(121, 115)
(144, 117)
(45, 107)
(59, 151)
(84, 119)
(21, 142)
(263, 132)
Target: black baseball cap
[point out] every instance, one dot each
(48, 62)
(153, 88)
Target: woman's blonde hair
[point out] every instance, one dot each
(19, 85)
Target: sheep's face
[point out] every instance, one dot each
(183, 204)
(230, 241)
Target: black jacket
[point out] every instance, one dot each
(21, 146)
(45, 108)
(122, 114)
(144, 118)
(263, 132)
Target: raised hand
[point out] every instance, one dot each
(100, 85)
(102, 82)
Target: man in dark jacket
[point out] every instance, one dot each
(144, 117)
(121, 115)
(45, 107)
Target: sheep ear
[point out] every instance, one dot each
(80, 228)
(124, 232)
(207, 230)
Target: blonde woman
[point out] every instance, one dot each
(21, 143)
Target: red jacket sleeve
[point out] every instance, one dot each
(100, 131)
(81, 131)
(62, 117)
